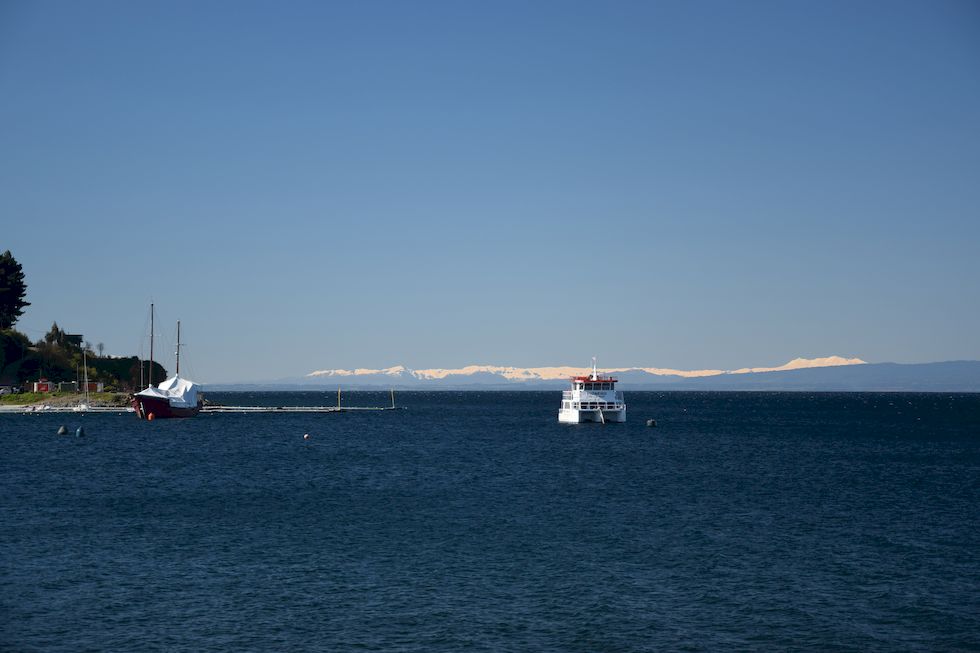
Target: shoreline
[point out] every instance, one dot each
(23, 400)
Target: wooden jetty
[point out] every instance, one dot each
(339, 408)
(295, 409)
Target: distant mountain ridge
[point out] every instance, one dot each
(832, 373)
(949, 376)
(532, 374)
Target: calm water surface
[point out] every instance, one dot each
(473, 521)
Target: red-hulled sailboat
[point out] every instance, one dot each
(175, 397)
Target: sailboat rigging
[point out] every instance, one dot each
(174, 397)
(84, 404)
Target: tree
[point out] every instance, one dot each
(101, 348)
(12, 290)
(56, 336)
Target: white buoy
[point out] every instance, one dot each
(306, 436)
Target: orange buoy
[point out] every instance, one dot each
(150, 417)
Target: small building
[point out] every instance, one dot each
(68, 386)
(43, 385)
(94, 386)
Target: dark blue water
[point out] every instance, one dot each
(473, 521)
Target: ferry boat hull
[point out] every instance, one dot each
(579, 415)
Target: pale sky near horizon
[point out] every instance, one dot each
(313, 185)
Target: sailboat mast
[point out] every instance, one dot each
(178, 347)
(150, 375)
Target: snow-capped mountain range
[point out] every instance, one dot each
(502, 375)
(830, 374)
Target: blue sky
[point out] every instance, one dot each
(671, 184)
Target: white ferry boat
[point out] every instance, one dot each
(593, 398)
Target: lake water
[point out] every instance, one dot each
(474, 521)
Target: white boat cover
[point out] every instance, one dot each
(181, 393)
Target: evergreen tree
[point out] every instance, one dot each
(12, 290)
(56, 336)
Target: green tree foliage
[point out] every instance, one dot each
(22, 362)
(13, 290)
(55, 336)
(14, 347)
(58, 357)
(124, 373)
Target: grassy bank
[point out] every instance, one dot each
(63, 399)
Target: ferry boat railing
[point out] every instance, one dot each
(597, 405)
(585, 395)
